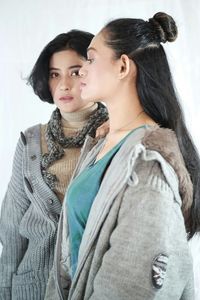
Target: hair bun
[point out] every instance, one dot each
(164, 26)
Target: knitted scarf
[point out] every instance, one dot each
(57, 141)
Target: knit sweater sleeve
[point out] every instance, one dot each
(148, 254)
(14, 205)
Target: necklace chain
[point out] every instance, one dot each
(118, 129)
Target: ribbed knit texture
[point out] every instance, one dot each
(136, 217)
(64, 167)
(26, 233)
(28, 222)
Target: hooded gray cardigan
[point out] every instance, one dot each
(28, 225)
(135, 243)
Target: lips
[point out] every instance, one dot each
(66, 98)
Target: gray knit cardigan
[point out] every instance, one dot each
(28, 225)
(134, 246)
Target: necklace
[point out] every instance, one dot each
(120, 128)
(116, 130)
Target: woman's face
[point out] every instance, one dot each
(64, 80)
(100, 72)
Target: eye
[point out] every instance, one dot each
(90, 60)
(53, 75)
(75, 73)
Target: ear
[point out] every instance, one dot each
(126, 66)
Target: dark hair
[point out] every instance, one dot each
(73, 40)
(140, 41)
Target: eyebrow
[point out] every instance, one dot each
(71, 67)
(91, 48)
(75, 66)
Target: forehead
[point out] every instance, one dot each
(98, 42)
(65, 57)
(100, 49)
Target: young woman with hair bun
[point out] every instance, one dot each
(134, 199)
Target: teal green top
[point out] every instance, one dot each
(80, 196)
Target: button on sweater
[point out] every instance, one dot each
(30, 214)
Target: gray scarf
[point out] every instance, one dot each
(57, 141)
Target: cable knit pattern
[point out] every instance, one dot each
(27, 232)
(30, 214)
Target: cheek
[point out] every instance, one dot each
(104, 79)
(52, 87)
(99, 80)
(76, 88)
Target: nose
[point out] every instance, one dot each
(65, 84)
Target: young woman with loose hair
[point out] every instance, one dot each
(44, 161)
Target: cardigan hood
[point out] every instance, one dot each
(164, 141)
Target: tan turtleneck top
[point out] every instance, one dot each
(64, 167)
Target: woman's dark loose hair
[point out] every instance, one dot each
(140, 41)
(75, 40)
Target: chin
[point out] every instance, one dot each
(68, 109)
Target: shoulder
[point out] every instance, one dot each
(33, 129)
(161, 145)
(151, 194)
(164, 142)
(158, 161)
(32, 132)
(30, 135)
(149, 180)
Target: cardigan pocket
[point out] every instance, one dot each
(24, 278)
(30, 285)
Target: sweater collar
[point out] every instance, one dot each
(78, 118)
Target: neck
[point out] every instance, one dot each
(77, 118)
(123, 108)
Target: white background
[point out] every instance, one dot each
(27, 26)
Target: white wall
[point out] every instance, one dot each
(27, 26)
